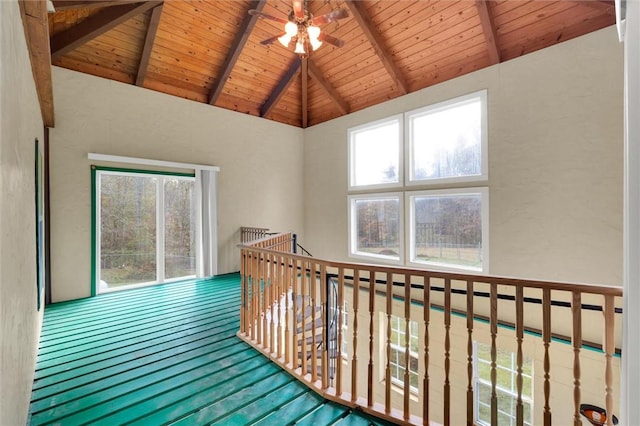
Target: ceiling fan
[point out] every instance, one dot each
(303, 28)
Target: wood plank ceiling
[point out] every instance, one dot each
(210, 51)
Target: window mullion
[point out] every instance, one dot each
(160, 206)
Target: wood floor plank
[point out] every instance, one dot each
(66, 313)
(260, 407)
(91, 324)
(170, 315)
(225, 328)
(130, 367)
(96, 394)
(234, 400)
(325, 414)
(110, 349)
(140, 356)
(114, 318)
(354, 419)
(292, 411)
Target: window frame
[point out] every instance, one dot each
(353, 230)
(411, 235)
(353, 131)
(443, 106)
(513, 395)
(160, 274)
(399, 383)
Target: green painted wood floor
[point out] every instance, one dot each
(166, 355)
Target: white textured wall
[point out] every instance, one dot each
(20, 125)
(555, 162)
(260, 180)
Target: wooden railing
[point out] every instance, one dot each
(252, 233)
(330, 325)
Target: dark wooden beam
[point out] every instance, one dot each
(87, 4)
(96, 25)
(148, 44)
(304, 74)
(281, 88)
(236, 48)
(489, 29)
(36, 32)
(315, 73)
(360, 14)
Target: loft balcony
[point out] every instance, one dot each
(424, 347)
(295, 339)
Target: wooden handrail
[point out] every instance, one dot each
(287, 299)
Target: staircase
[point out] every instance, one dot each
(313, 338)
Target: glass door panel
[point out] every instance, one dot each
(179, 228)
(127, 230)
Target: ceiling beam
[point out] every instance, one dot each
(96, 25)
(304, 74)
(281, 88)
(236, 48)
(489, 29)
(87, 4)
(36, 31)
(360, 14)
(148, 44)
(315, 73)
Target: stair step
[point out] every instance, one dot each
(308, 310)
(308, 325)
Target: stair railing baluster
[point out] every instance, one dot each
(341, 314)
(325, 325)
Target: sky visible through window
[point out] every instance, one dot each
(377, 152)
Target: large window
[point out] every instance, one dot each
(376, 226)
(447, 141)
(445, 144)
(145, 228)
(375, 154)
(506, 368)
(447, 228)
(398, 352)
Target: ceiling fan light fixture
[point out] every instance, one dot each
(285, 40)
(291, 29)
(300, 48)
(315, 43)
(313, 31)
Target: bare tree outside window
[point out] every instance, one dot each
(127, 229)
(448, 229)
(378, 226)
(135, 210)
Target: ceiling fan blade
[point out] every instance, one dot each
(329, 17)
(271, 39)
(263, 15)
(298, 9)
(331, 39)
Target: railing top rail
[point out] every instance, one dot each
(605, 290)
(257, 243)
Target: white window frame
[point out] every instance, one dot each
(411, 235)
(352, 133)
(511, 393)
(353, 230)
(441, 106)
(399, 382)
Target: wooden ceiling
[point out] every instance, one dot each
(210, 51)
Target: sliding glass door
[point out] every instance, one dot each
(145, 228)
